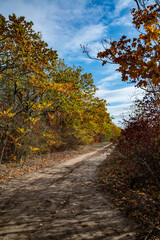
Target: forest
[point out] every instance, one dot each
(44, 104)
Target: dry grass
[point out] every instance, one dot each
(134, 192)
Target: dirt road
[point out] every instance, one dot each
(61, 202)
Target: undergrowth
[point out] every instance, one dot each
(134, 191)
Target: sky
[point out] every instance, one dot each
(66, 24)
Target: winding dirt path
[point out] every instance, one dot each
(61, 202)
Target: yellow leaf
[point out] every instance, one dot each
(34, 149)
(11, 114)
(9, 109)
(20, 145)
(21, 130)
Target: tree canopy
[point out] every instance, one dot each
(138, 58)
(44, 104)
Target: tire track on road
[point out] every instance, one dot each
(62, 202)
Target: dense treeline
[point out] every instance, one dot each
(44, 104)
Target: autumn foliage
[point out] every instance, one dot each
(138, 58)
(136, 173)
(138, 61)
(44, 104)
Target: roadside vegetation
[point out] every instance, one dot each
(44, 104)
(132, 172)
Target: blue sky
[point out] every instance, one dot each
(65, 24)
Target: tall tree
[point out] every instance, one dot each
(25, 62)
(43, 103)
(138, 58)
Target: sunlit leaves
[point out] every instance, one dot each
(134, 179)
(138, 58)
(44, 104)
(34, 148)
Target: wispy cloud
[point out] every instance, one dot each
(60, 21)
(120, 100)
(122, 21)
(122, 95)
(117, 110)
(114, 76)
(86, 35)
(121, 5)
(116, 96)
(108, 70)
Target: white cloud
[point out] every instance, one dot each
(114, 76)
(118, 121)
(109, 69)
(87, 35)
(122, 21)
(120, 100)
(109, 81)
(124, 95)
(118, 95)
(97, 46)
(123, 4)
(61, 22)
(118, 112)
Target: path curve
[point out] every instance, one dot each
(61, 203)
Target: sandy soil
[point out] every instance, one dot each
(62, 202)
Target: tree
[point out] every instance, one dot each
(138, 58)
(25, 60)
(44, 104)
(139, 63)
